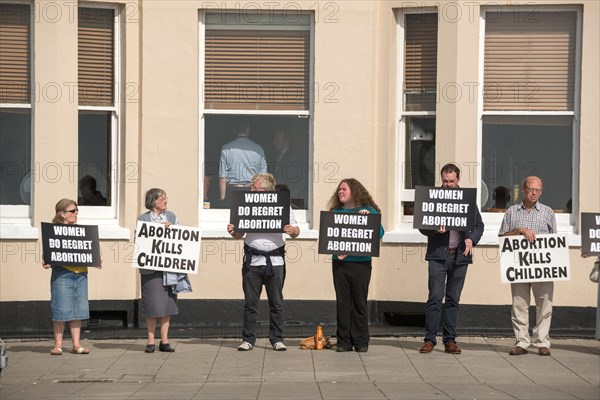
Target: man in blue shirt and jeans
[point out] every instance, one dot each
(241, 159)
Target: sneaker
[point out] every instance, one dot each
(245, 346)
(279, 346)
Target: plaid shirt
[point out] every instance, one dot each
(539, 219)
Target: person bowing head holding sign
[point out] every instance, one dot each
(68, 288)
(264, 264)
(159, 299)
(352, 274)
(449, 253)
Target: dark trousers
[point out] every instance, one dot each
(351, 282)
(446, 280)
(252, 282)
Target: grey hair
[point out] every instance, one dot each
(151, 196)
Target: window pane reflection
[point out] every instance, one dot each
(94, 165)
(515, 147)
(15, 157)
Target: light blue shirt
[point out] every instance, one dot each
(241, 159)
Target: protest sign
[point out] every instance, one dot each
(590, 234)
(260, 211)
(453, 208)
(70, 245)
(172, 249)
(349, 234)
(543, 260)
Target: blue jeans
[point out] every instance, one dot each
(253, 280)
(446, 279)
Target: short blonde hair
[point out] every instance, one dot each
(61, 206)
(268, 181)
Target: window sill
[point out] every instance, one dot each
(18, 228)
(218, 230)
(406, 235)
(490, 235)
(108, 229)
(489, 238)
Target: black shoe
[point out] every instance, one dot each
(361, 349)
(165, 347)
(342, 349)
(149, 348)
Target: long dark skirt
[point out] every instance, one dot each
(157, 300)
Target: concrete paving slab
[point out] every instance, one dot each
(109, 391)
(534, 392)
(350, 390)
(166, 390)
(387, 361)
(331, 366)
(479, 392)
(213, 369)
(289, 391)
(411, 391)
(46, 391)
(228, 391)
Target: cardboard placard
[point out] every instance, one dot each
(590, 234)
(70, 245)
(259, 211)
(349, 234)
(453, 208)
(172, 249)
(544, 260)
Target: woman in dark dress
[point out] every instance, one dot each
(159, 302)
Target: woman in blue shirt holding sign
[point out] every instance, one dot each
(352, 274)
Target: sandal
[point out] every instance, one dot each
(56, 352)
(81, 350)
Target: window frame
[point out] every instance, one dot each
(108, 215)
(566, 222)
(405, 222)
(16, 220)
(214, 221)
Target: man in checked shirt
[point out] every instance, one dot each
(529, 219)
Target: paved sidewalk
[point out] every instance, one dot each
(213, 369)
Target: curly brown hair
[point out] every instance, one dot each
(360, 196)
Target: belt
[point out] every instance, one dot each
(452, 250)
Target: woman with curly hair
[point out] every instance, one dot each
(352, 274)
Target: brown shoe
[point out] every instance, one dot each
(544, 351)
(427, 347)
(517, 351)
(452, 348)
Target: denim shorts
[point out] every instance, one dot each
(69, 295)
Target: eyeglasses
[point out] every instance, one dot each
(72, 211)
(533, 190)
